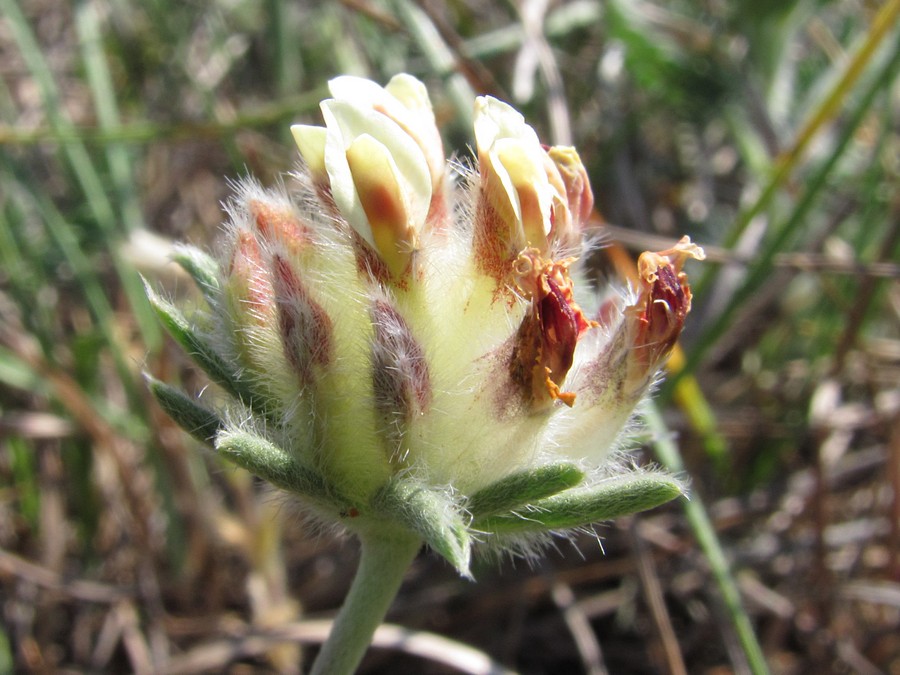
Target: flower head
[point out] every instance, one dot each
(412, 352)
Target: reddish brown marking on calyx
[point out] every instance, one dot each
(278, 222)
(246, 267)
(401, 380)
(491, 244)
(369, 263)
(304, 325)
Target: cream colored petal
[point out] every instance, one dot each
(376, 178)
(310, 141)
(411, 93)
(346, 122)
(528, 178)
(361, 92)
(495, 119)
(422, 125)
(405, 101)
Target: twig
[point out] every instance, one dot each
(635, 240)
(78, 589)
(579, 626)
(654, 596)
(214, 656)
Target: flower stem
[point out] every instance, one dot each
(383, 562)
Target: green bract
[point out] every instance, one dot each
(405, 348)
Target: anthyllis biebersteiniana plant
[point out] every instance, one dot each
(409, 348)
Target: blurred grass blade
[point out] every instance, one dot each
(87, 25)
(85, 271)
(884, 22)
(700, 414)
(439, 57)
(762, 265)
(83, 170)
(668, 454)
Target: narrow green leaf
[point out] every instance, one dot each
(203, 268)
(610, 499)
(275, 465)
(199, 422)
(15, 372)
(525, 487)
(197, 347)
(429, 513)
(88, 24)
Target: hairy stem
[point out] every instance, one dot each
(384, 560)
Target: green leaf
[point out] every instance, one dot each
(429, 513)
(203, 268)
(277, 466)
(197, 347)
(199, 422)
(525, 487)
(610, 499)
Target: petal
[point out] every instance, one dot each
(517, 198)
(577, 185)
(664, 302)
(523, 173)
(405, 101)
(345, 123)
(410, 92)
(495, 119)
(310, 141)
(378, 187)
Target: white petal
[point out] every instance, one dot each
(346, 121)
(310, 141)
(357, 90)
(411, 93)
(495, 119)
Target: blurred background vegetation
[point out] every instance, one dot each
(768, 131)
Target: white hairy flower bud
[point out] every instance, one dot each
(415, 350)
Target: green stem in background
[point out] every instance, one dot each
(88, 25)
(668, 454)
(826, 112)
(439, 57)
(763, 263)
(104, 212)
(385, 558)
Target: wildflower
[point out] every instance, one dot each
(409, 355)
